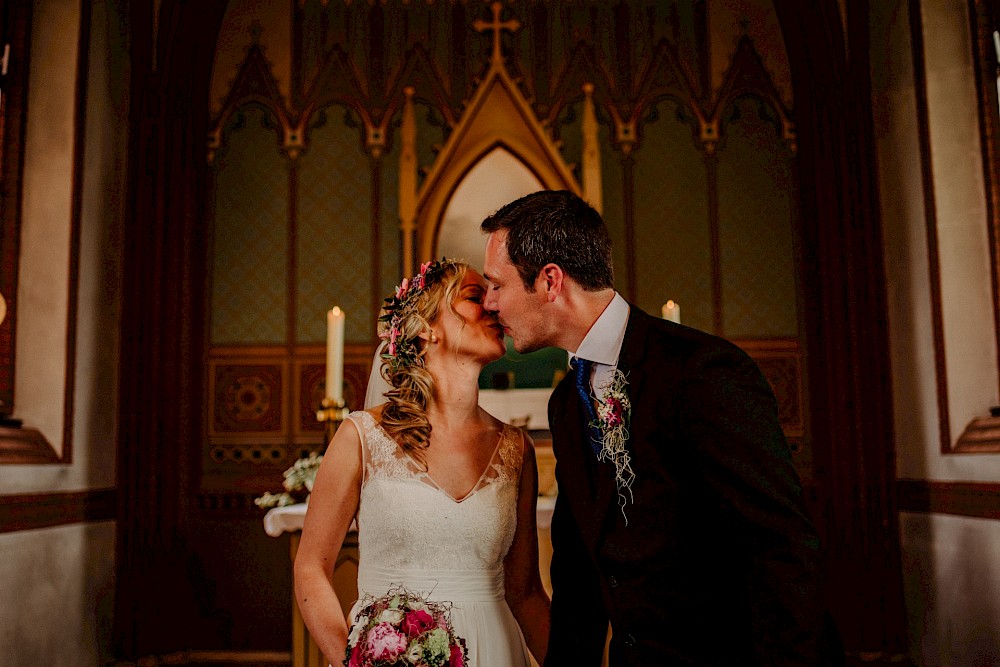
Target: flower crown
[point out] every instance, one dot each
(401, 352)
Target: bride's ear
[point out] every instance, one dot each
(428, 335)
(551, 278)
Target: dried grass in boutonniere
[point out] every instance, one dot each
(614, 411)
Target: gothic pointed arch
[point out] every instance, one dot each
(498, 115)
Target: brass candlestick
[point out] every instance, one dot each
(332, 413)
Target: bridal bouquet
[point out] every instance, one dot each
(298, 483)
(402, 629)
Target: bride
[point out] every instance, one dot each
(443, 493)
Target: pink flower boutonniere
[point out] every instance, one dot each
(614, 411)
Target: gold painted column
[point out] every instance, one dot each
(408, 181)
(592, 189)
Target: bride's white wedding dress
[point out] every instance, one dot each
(412, 533)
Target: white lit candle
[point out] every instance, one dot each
(335, 355)
(671, 311)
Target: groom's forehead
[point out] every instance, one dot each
(497, 257)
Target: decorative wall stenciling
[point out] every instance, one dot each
(334, 230)
(758, 197)
(672, 224)
(247, 398)
(311, 389)
(249, 299)
(311, 386)
(784, 374)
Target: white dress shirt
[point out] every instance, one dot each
(603, 343)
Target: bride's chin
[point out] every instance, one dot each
(493, 355)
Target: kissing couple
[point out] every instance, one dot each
(680, 521)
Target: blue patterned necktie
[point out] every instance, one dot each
(582, 368)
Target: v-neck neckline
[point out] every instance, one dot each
(413, 465)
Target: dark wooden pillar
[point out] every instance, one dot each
(850, 390)
(162, 320)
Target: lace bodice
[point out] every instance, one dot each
(407, 521)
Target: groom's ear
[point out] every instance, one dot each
(551, 278)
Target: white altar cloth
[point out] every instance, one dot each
(524, 407)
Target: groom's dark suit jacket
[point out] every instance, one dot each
(719, 563)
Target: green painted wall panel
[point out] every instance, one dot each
(249, 292)
(334, 236)
(673, 246)
(757, 197)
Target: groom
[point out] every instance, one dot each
(680, 518)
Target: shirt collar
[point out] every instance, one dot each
(603, 342)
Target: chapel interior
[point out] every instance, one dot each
(187, 189)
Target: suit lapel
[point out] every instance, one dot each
(629, 360)
(570, 447)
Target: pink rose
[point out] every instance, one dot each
(385, 642)
(417, 622)
(615, 413)
(457, 659)
(401, 290)
(424, 267)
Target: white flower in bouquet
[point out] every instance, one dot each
(393, 616)
(359, 627)
(415, 653)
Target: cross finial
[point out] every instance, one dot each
(496, 26)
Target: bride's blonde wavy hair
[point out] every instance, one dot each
(404, 416)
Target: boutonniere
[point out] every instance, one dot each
(614, 411)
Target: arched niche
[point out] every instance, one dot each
(499, 134)
(497, 178)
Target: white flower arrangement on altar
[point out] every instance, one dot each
(298, 483)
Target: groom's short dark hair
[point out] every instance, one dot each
(558, 227)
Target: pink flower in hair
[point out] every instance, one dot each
(401, 290)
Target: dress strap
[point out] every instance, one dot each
(358, 419)
(512, 450)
